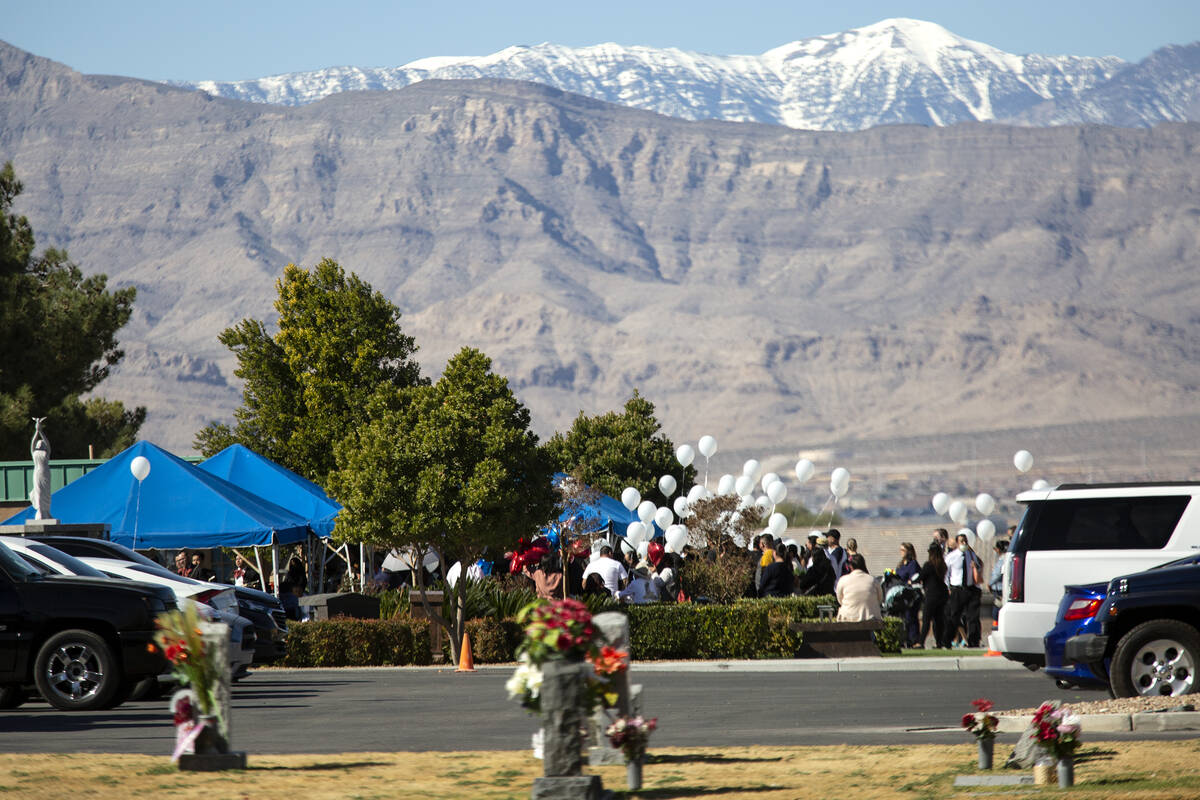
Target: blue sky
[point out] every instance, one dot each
(221, 40)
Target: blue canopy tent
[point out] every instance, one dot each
(604, 515)
(247, 469)
(176, 506)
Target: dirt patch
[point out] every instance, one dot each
(1120, 705)
(1122, 771)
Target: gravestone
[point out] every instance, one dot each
(564, 709)
(612, 629)
(216, 644)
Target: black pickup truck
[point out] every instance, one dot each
(1150, 629)
(81, 641)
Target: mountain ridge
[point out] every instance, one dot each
(896, 71)
(752, 280)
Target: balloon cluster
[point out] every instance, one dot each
(527, 554)
(1023, 461)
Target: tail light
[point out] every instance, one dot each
(206, 596)
(1083, 608)
(1016, 593)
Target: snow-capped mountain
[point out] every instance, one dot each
(895, 71)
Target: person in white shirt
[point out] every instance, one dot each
(640, 589)
(611, 571)
(963, 569)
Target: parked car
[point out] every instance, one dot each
(1076, 616)
(1149, 638)
(80, 640)
(215, 603)
(261, 608)
(1079, 534)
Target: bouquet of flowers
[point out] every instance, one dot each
(558, 629)
(181, 640)
(984, 725)
(526, 684)
(1057, 730)
(631, 735)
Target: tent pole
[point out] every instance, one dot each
(321, 567)
(275, 566)
(262, 578)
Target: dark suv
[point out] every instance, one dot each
(1150, 632)
(81, 641)
(263, 610)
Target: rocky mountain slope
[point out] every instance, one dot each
(773, 287)
(898, 71)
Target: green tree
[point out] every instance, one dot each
(451, 468)
(58, 341)
(307, 386)
(612, 451)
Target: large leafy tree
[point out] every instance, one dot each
(307, 386)
(614, 450)
(58, 341)
(450, 468)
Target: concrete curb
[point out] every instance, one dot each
(863, 664)
(1116, 723)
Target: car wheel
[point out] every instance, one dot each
(12, 696)
(75, 671)
(1157, 658)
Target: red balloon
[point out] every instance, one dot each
(654, 552)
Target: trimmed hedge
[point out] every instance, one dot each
(358, 643)
(745, 630)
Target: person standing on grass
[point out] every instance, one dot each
(963, 578)
(611, 571)
(909, 571)
(835, 551)
(996, 579)
(860, 597)
(933, 581)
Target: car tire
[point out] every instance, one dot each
(12, 696)
(1157, 658)
(75, 671)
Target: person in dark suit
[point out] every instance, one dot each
(200, 572)
(833, 549)
(778, 579)
(819, 579)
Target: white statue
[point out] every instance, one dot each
(39, 449)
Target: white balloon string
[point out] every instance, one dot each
(706, 472)
(136, 514)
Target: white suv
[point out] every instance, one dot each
(1078, 534)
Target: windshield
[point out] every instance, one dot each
(14, 565)
(69, 563)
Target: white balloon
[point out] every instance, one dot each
(685, 455)
(941, 501)
(1040, 485)
(763, 502)
(666, 485)
(707, 446)
(630, 497)
(643, 549)
(676, 538)
(985, 503)
(839, 482)
(967, 532)
(768, 479)
(663, 518)
(805, 470)
(986, 529)
(777, 524)
(790, 543)
(681, 506)
(751, 469)
(645, 511)
(1023, 460)
(140, 467)
(777, 492)
(635, 532)
(958, 512)
(695, 494)
(744, 485)
(726, 484)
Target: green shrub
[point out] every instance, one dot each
(492, 641)
(722, 581)
(394, 603)
(891, 638)
(358, 643)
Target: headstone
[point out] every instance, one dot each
(1027, 750)
(216, 644)
(612, 629)
(564, 708)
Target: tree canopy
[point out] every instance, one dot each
(308, 385)
(451, 467)
(611, 451)
(58, 341)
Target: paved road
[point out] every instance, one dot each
(321, 711)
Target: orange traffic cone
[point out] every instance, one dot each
(466, 659)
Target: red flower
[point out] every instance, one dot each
(982, 705)
(968, 720)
